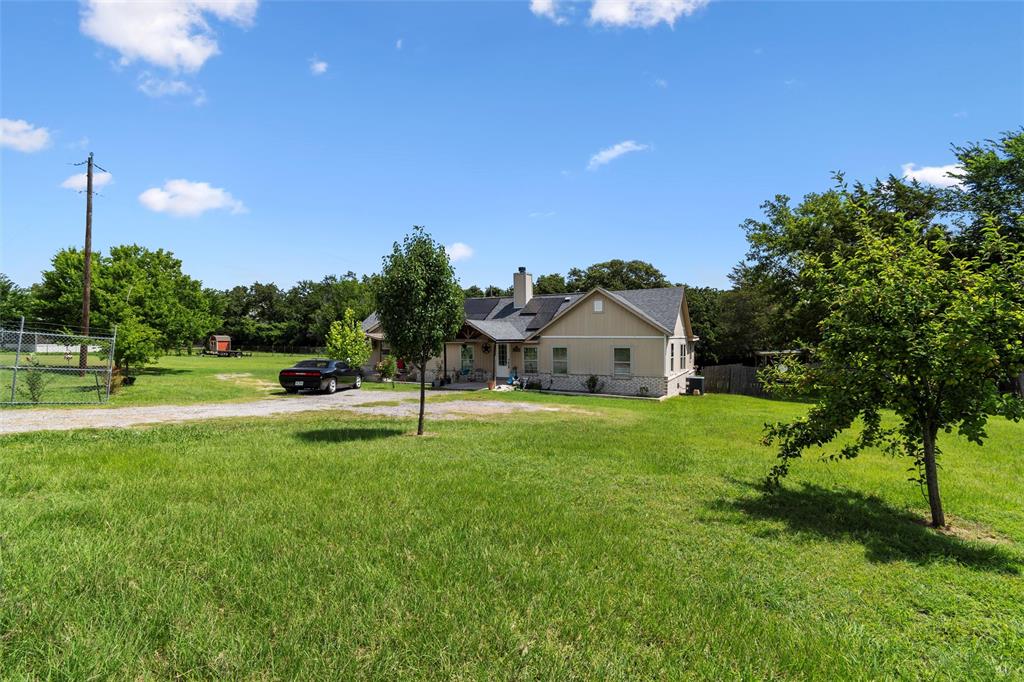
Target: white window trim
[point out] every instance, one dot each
(615, 374)
(536, 360)
(599, 305)
(566, 349)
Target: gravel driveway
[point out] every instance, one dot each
(22, 421)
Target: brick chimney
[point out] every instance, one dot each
(522, 288)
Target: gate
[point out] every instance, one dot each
(48, 365)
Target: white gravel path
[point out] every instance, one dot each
(22, 421)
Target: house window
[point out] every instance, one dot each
(467, 358)
(530, 360)
(598, 305)
(671, 356)
(559, 360)
(682, 356)
(622, 364)
(502, 355)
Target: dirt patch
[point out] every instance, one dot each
(964, 529)
(249, 381)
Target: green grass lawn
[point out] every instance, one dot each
(179, 380)
(627, 542)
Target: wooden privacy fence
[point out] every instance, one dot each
(736, 379)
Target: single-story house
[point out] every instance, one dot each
(636, 342)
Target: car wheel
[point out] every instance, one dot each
(358, 382)
(332, 385)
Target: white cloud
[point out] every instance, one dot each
(960, 114)
(548, 9)
(459, 251)
(642, 13)
(153, 86)
(189, 199)
(23, 136)
(78, 181)
(932, 175)
(615, 151)
(661, 83)
(159, 87)
(317, 67)
(82, 143)
(398, 44)
(170, 33)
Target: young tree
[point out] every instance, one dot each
(915, 329)
(419, 303)
(346, 341)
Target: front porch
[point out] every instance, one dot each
(476, 358)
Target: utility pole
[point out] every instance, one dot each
(83, 353)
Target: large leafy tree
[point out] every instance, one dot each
(705, 305)
(15, 301)
(914, 328)
(991, 185)
(129, 283)
(820, 227)
(419, 302)
(617, 275)
(552, 283)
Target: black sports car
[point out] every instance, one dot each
(320, 375)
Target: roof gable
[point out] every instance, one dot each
(615, 297)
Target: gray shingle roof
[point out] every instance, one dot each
(661, 305)
(505, 323)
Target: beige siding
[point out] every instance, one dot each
(615, 320)
(481, 360)
(594, 356)
(591, 338)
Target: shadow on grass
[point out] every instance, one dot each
(158, 371)
(887, 534)
(347, 434)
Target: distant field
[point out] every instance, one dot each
(179, 380)
(610, 540)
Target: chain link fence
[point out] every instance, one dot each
(45, 365)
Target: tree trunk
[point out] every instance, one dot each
(931, 473)
(423, 398)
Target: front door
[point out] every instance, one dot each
(502, 359)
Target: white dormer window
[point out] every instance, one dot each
(598, 305)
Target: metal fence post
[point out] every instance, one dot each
(110, 361)
(17, 361)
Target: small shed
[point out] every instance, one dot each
(219, 343)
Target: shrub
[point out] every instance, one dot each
(33, 386)
(387, 368)
(593, 384)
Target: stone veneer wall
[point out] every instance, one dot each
(656, 386)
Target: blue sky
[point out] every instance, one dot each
(286, 141)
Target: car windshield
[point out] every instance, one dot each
(320, 364)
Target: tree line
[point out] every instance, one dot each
(767, 307)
